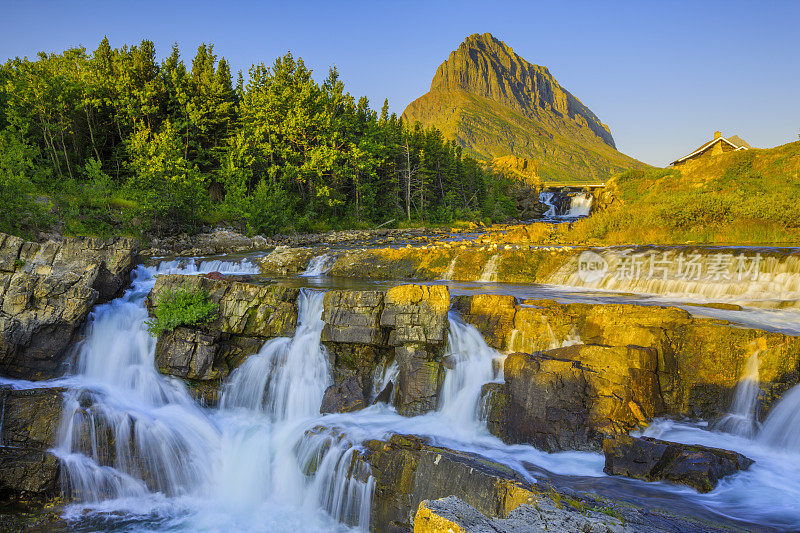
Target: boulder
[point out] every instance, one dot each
(28, 431)
(651, 459)
(408, 470)
(343, 397)
(700, 360)
(356, 343)
(571, 398)
(285, 261)
(416, 316)
(30, 417)
(364, 330)
(248, 315)
(454, 515)
(25, 472)
(46, 293)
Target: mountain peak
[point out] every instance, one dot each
(495, 103)
(485, 66)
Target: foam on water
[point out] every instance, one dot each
(741, 418)
(319, 265)
(267, 461)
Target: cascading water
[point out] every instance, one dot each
(383, 375)
(287, 377)
(138, 450)
(741, 419)
(741, 275)
(447, 275)
(580, 205)
(319, 265)
(121, 434)
(489, 272)
(470, 366)
(547, 199)
(781, 429)
(134, 441)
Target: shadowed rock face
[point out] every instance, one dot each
(407, 470)
(29, 429)
(570, 398)
(496, 104)
(651, 459)
(46, 292)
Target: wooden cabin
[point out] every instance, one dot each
(717, 145)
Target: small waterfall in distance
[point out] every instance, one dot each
(489, 272)
(447, 275)
(319, 265)
(580, 205)
(741, 419)
(547, 199)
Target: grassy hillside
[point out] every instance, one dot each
(489, 130)
(740, 197)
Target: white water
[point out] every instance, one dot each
(471, 360)
(382, 376)
(767, 493)
(782, 427)
(741, 419)
(547, 199)
(489, 272)
(580, 205)
(447, 275)
(319, 265)
(133, 441)
(776, 279)
(287, 377)
(252, 465)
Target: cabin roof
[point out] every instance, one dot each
(735, 141)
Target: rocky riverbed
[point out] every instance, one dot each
(396, 400)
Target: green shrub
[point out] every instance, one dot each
(182, 307)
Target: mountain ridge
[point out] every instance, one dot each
(495, 103)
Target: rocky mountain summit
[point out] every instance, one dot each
(495, 103)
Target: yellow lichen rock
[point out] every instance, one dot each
(437, 297)
(427, 521)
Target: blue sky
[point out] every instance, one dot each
(664, 75)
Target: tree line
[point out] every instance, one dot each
(96, 141)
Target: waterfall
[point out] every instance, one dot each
(781, 429)
(451, 268)
(384, 374)
(489, 272)
(580, 205)
(342, 484)
(131, 430)
(470, 366)
(319, 265)
(747, 274)
(287, 377)
(547, 199)
(132, 437)
(741, 418)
